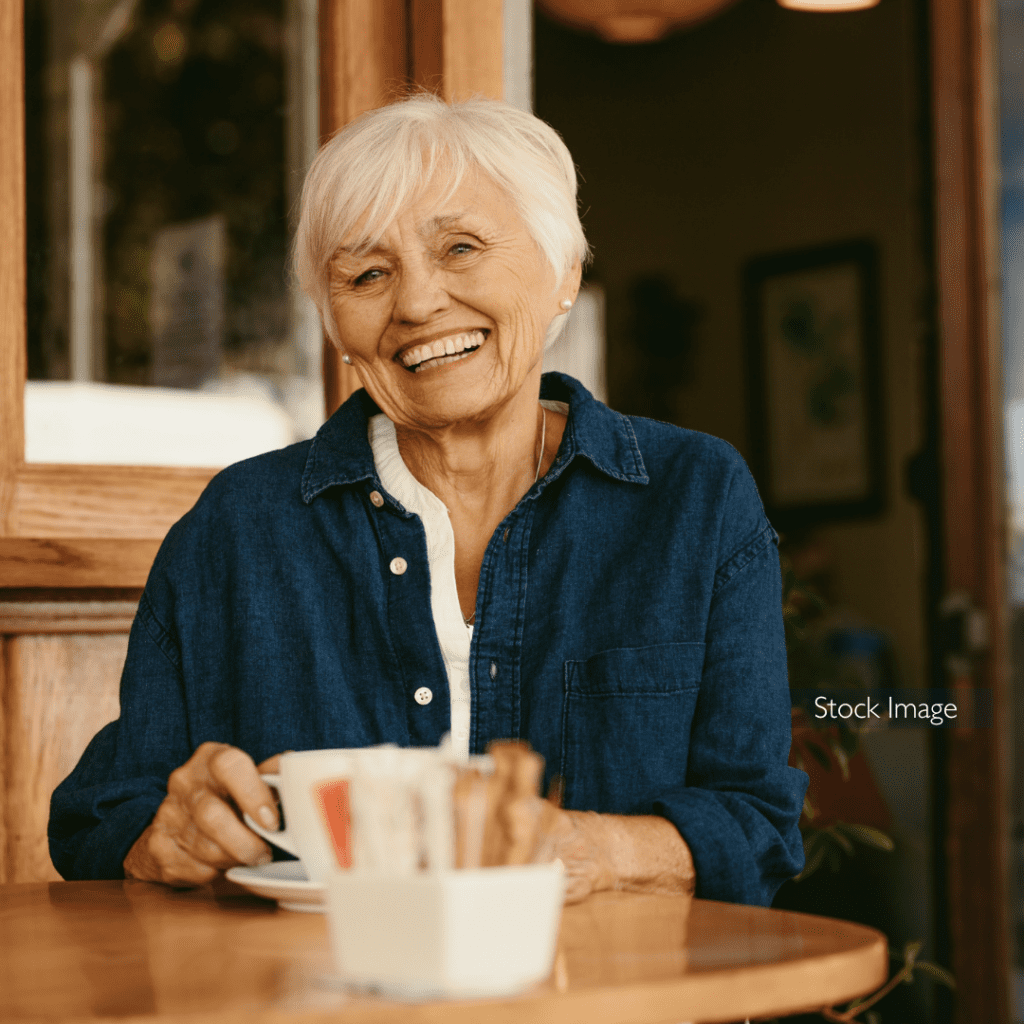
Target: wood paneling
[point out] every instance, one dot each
(91, 526)
(458, 47)
(12, 251)
(73, 562)
(5, 756)
(25, 617)
(58, 691)
(362, 58)
(102, 501)
(471, 48)
(60, 669)
(428, 50)
(965, 138)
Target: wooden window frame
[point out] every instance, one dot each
(965, 134)
(80, 526)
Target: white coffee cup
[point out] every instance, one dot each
(313, 788)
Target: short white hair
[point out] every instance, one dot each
(371, 169)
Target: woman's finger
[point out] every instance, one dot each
(577, 889)
(158, 854)
(221, 839)
(209, 852)
(234, 774)
(272, 765)
(180, 823)
(174, 865)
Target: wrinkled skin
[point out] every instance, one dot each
(197, 832)
(444, 268)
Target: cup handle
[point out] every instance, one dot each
(281, 838)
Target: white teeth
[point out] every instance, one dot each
(442, 361)
(444, 350)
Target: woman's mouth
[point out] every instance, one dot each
(442, 351)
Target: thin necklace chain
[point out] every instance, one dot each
(543, 436)
(536, 477)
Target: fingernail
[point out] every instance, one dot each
(263, 858)
(267, 817)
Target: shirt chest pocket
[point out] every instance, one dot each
(626, 723)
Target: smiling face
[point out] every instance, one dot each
(445, 318)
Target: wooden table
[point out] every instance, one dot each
(120, 950)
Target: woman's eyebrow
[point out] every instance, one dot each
(442, 221)
(360, 250)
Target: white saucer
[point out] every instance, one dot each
(284, 881)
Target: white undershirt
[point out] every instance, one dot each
(453, 635)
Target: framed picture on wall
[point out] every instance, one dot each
(816, 427)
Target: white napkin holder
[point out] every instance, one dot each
(467, 933)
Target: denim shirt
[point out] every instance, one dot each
(628, 625)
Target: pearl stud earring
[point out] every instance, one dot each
(346, 359)
(566, 304)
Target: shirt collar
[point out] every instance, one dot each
(601, 435)
(340, 453)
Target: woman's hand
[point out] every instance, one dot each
(197, 832)
(614, 851)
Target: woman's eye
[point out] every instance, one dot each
(368, 277)
(460, 248)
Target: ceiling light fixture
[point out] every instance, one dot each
(832, 6)
(646, 21)
(631, 21)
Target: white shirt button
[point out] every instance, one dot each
(423, 695)
(398, 566)
(376, 499)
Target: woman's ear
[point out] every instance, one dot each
(328, 335)
(570, 287)
(573, 278)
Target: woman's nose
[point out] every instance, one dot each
(421, 292)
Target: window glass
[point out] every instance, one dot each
(166, 141)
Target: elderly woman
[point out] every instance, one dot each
(463, 547)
